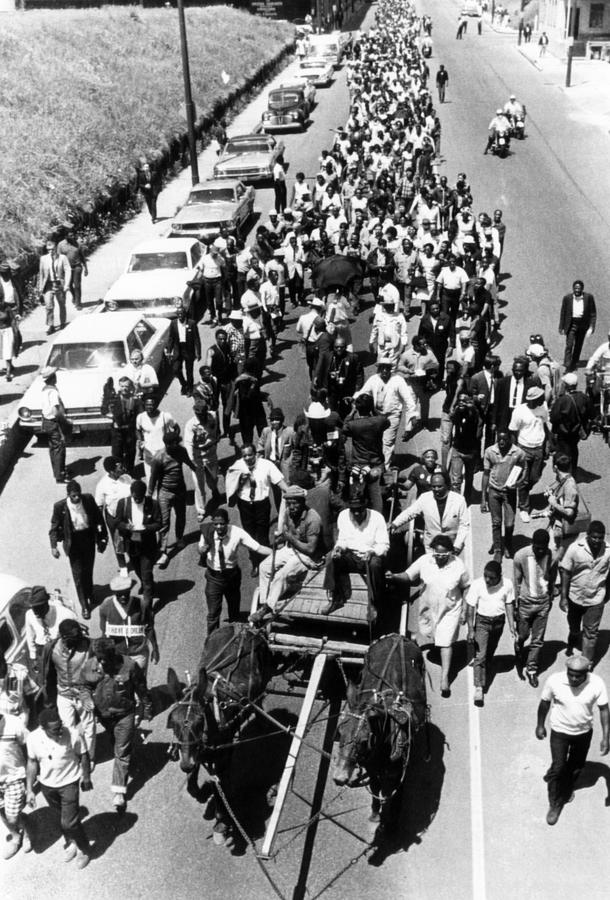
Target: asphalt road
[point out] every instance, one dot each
(473, 818)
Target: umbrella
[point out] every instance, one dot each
(337, 271)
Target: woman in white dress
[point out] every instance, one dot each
(442, 605)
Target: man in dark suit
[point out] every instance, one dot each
(344, 376)
(123, 408)
(79, 524)
(577, 321)
(184, 347)
(150, 185)
(511, 391)
(483, 386)
(437, 328)
(138, 519)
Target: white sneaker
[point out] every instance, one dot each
(524, 515)
(478, 696)
(124, 572)
(82, 860)
(70, 852)
(163, 560)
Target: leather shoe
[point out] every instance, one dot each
(532, 677)
(553, 815)
(331, 606)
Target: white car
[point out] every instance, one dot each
(14, 597)
(317, 70)
(91, 349)
(156, 280)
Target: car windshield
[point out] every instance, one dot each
(141, 303)
(256, 145)
(148, 262)
(211, 195)
(87, 355)
(280, 99)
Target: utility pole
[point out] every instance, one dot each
(188, 97)
(569, 42)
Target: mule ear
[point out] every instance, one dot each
(202, 684)
(174, 687)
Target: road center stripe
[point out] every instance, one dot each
(476, 788)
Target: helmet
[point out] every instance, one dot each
(498, 112)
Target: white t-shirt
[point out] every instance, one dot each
(490, 601)
(572, 708)
(13, 735)
(58, 761)
(529, 424)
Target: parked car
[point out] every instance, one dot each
(14, 596)
(317, 70)
(213, 204)
(91, 349)
(156, 279)
(249, 157)
(287, 107)
(330, 46)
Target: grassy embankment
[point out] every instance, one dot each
(85, 95)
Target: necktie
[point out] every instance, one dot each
(46, 631)
(274, 447)
(252, 488)
(221, 556)
(515, 392)
(53, 270)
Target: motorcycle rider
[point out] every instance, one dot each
(600, 358)
(499, 126)
(514, 110)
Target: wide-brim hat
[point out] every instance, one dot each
(316, 411)
(534, 393)
(39, 596)
(235, 316)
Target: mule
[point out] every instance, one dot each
(384, 711)
(207, 716)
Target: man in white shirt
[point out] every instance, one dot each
(201, 438)
(142, 374)
(600, 358)
(389, 334)
(248, 483)
(571, 697)
(58, 760)
(391, 395)
(42, 623)
(218, 546)
(111, 487)
(306, 331)
(529, 424)
(361, 546)
(54, 423)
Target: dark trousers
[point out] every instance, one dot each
(143, 564)
(167, 502)
(255, 519)
(569, 446)
(182, 367)
(115, 539)
(218, 585)
(76, 281)
(568, 757)
(502, 505)
(450, 302)
(337, 576)
(82, 560)
(462, 466)
(212, 294)
(295, 289)
(531, 624)
(225, 390)
(281, 197)
(150, 198)
(123, 445)
(64, 800)
(122, 730)
(575, 338)
(534, 463)
(249, 419)
(441, 93)
(487, 634)
(583, 625)
(311, 356)
(57, 447)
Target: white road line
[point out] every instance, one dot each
(477, 832)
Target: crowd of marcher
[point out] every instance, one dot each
(380, 213)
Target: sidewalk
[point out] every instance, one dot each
(589, 91)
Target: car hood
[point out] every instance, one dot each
(76, 388)
(239, 160)
(213, 212)
(143, 285)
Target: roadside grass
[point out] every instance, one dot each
(85, 94)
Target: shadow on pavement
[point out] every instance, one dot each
(591, 774)
(103, 829)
